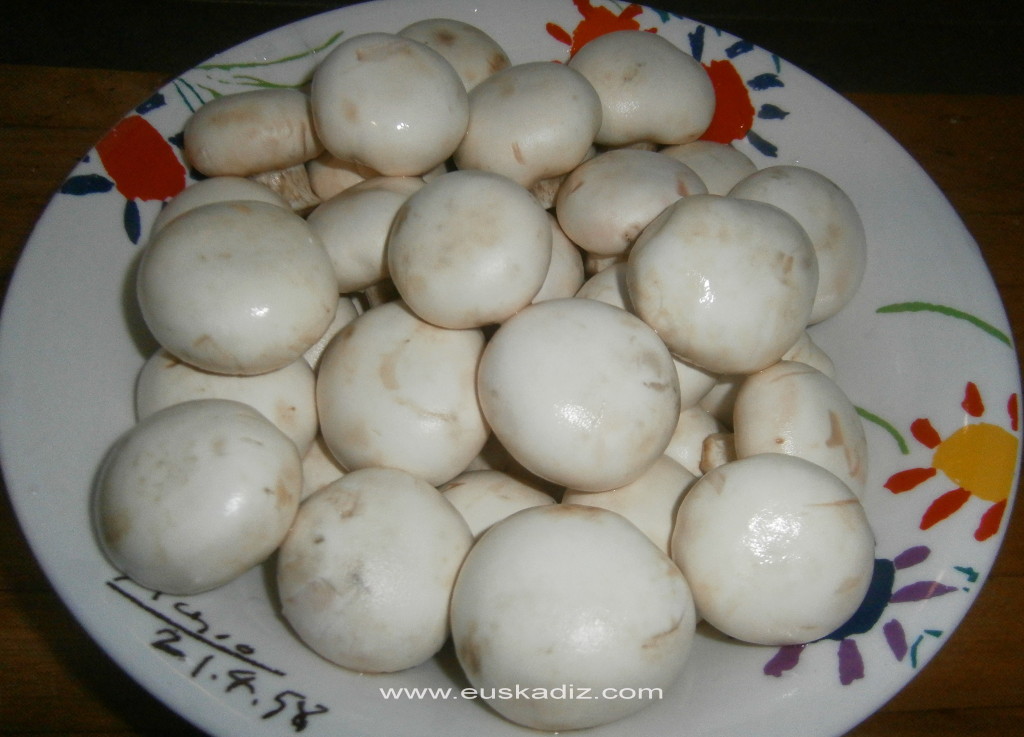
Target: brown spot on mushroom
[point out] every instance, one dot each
(517, 153)
(445, 37)
(654, 641)
(498, 61)
(350, 111)
(467, 650)
(836, 438)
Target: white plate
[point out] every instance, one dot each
(926, 328)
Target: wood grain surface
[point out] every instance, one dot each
(55, 681)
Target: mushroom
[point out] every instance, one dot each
(793, 408)
(609, 286)
(831, 220)
(581, 393)
(650, 90)
(195, 495)
(328, 175)
(727, 283)
(354, 225)
(649, 502)
(687, 443)
(718, 449)
(347, 311)
(719, 165)
(473, 54)
(469, 249)
(571, 605)
(237, 287)
(565, 272)
(366, 572)
(605, 202)
(390, 103)
(251, 132)
(285, 396)
(394, 390)
(319, 468)
(805, 350)
(485, 497)
(530, 122)
(777, 550)
(216, 189)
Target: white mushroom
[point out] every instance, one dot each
(354, 225)
(718, 449)
(719, 165)
(196, 494)
(581, 393)
(329, 175)
(285, 396)
(393, 390)
(795, 409)
(485, 497)
(728, 284)
(831, 220)
(237, 287)
(687, 443)
(649, 502)
(366, 572)
(609, 286)
(530, 122)
(251, 132)
(605, 202)
(650, 89)
(574, 598)
(216, 189)
(319, 468)
(389, 103)
(347, 311)
(777, 550)
(565, 272)
(469, 249)
(805, 350)
(473, 54)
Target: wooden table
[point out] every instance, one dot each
(55, 681)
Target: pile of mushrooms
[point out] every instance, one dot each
(503, 353)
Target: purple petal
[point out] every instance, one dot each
(911, 557)
(896, 638)
(851, 664)
(785, 659)
(921, 590)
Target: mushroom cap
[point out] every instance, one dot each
(487, 496)
(354, 226)
(469, 249)
(347, 312)
(609, 286)
(394, 390)
(605, 202)
(366, 572)
(237, 287)
(686, 447)
(389, 103)
(565, 272)
(530, 122)
(216, 189)
(719, 165)
(650, 89)
(581, 393)
(196, 494)
(319, 468)
(777, 550)
(285, 396)
(566, 594)
(251, 132)
(795, 409)
(728, 284)
(649, 502)
(831, 220)
(472, 52)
